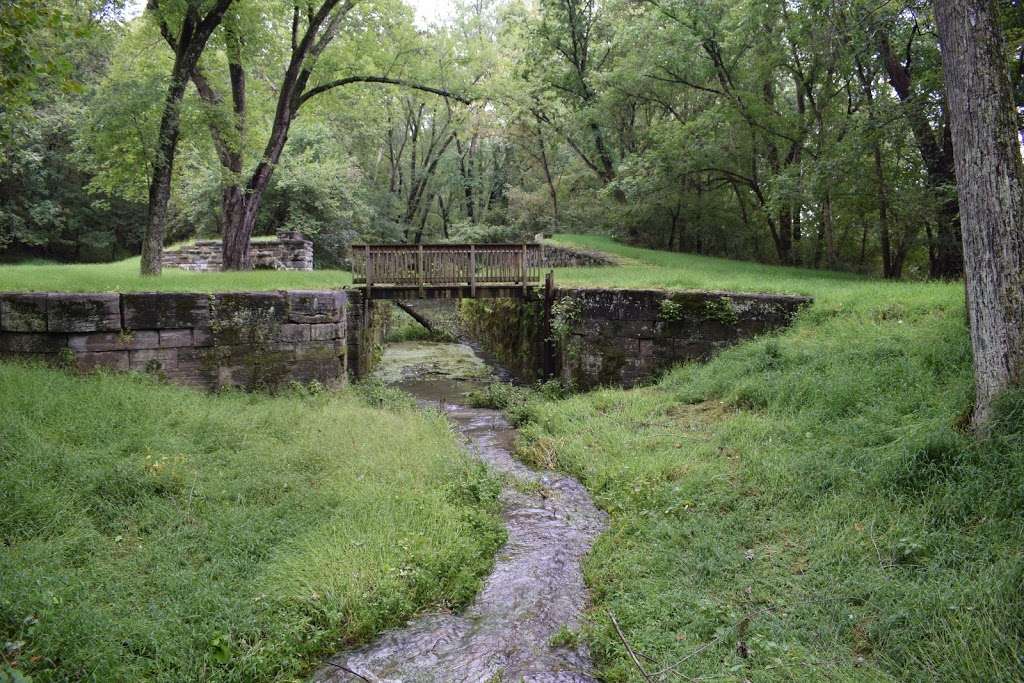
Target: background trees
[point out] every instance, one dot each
(804, 133)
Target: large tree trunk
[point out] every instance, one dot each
(238, 221)
(989, 176)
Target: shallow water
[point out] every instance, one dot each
(536, 587)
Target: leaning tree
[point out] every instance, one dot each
(193, 31)
(311, 29)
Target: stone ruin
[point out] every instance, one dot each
(288, 251)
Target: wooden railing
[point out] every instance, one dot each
(434, 266)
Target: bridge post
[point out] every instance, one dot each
(369, 282)
(522, 271)
(472, 270)
(422, 276)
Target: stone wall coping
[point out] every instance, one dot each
(757, 296)
(86, 312)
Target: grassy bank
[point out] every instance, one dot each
(156, 533)
(123, 276)
(804, 507)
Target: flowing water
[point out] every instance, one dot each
(536, 587)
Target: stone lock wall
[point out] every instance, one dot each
(253, 340)
(609, 337)
(558, 256)
(367, 323)
(625, 337)
(289, 251)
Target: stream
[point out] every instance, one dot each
(535, 589)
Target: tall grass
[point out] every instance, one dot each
(806, 506)
(155, 533)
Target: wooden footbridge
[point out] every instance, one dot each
(430, 271)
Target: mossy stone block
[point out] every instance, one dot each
(31, 342)
(83, 312)
(316, 306)
(113, 341)
(164, 310)
(110, 360)
(247, 317)
(23, 312)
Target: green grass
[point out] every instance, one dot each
(156, 533)
(123, 276)
(646, 268)
(808, 499)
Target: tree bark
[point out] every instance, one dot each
(163, 170)
(990, 178)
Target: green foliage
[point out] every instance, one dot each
(688, 126)
(43, 208)
(566, 313)
(156, 533)
(670, 311)
(34, 35)
(721, 310)
(804, 506)
(403, 328)
(565, 637)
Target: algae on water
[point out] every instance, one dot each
(418, 360)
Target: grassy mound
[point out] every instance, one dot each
(806, 506)
(155, 533)
(123, 276)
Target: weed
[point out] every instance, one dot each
(565, 637)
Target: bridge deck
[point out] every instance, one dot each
(395, 271)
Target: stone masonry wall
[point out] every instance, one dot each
(253, 340)
(367, 327)
(509, 330)
(608, 337)
(287, 252)
(558, 256)
(625, 337)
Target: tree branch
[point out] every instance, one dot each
(312, 92)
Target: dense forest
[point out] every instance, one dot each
(807, 133)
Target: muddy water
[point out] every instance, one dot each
(536, 587)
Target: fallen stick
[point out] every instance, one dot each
(629, 649)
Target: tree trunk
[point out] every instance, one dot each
(552, 191)
(163, 165)
(163, 171)
(188, 45)
(889, 270)
(989, 177)
(239, 220)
